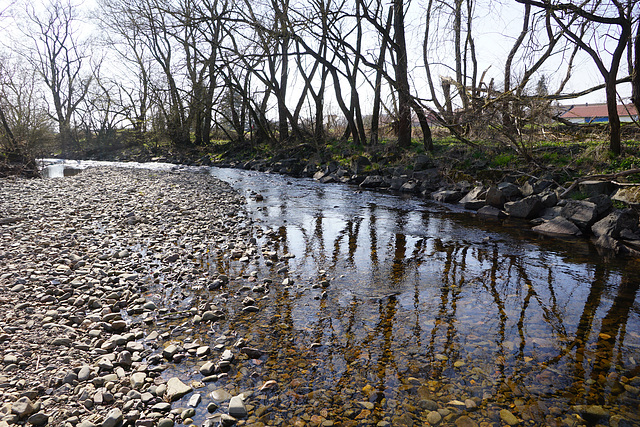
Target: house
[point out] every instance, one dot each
(597, 113)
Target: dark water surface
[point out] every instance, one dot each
(431, 303)
(400, 307)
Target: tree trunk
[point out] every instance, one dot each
(375, 115)
(614, 118)
(427, 140)
(7, 129)
(402, 78)
(635, 77)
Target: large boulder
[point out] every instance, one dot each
(397, 182)
(595, 188)
(491, 211)
(495, 197)
(585, 213)
(509, 190)
(558, 226)
(527, 208)
(372, 181)
(360, 164)
(410, 186)
(615, 223)
(474, 199)
(628, 195)
(535, 187)
(422, 162)
(447, 196)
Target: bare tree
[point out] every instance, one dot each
(596, 12)
(59, 55)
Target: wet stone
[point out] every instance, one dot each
(194, 400)
(237, 408)
(220, 395)
(176, 389)
(434, 417)
(508, 417)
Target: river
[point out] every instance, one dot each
(399, 310)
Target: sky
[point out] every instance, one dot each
(493, 20)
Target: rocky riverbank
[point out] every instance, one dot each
(91, 272)
(603, 210)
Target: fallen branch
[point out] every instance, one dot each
(599, 177)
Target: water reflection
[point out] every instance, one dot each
(428, 304)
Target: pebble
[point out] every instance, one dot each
(114, 417)
(237, 408)
(194, 400)
(434, 417)
(176, 389)
(508, 417)
(138, 379)
(38, 419)
(165, 422)
(23, 407)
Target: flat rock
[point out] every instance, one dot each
(220, 395)
(628, 195)
(558, 226)
(491, 211)
(194, 400)
(176, 389)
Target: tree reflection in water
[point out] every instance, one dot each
(427, 305)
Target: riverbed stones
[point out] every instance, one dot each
(86, 251)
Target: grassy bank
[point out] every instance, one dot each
(560, 155)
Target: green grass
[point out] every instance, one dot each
(503, 159)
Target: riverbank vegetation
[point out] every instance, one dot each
(217, 80)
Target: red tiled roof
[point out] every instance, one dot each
(597, 110)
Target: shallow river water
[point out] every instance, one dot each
(398, 308)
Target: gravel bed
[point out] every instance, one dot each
(87, 263)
